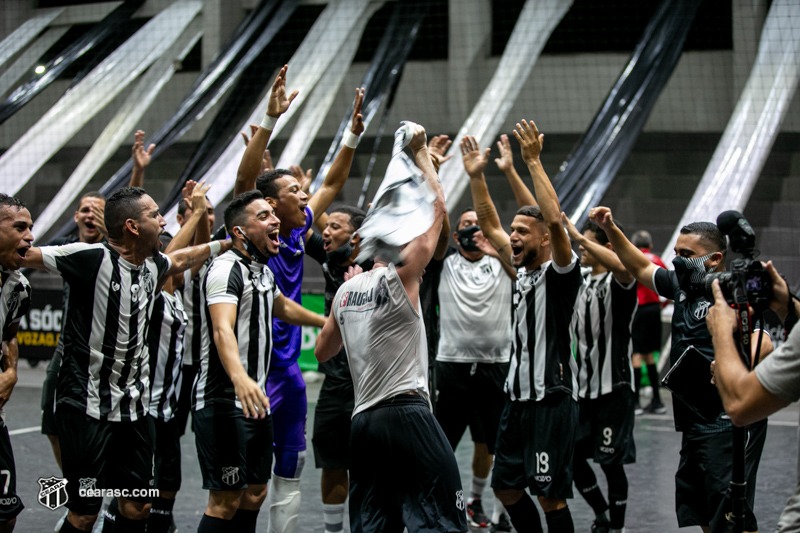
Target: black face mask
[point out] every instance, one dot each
(466, 238)
(691, 272)
(340, 255)
(252, 250)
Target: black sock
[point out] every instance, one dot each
(212, 524)
(617, 494)
(245, 520)
(110, 515)
(652, 375)
(524, 515)
(637, 381)
(586, 483)
(559, 521)
(160, 518)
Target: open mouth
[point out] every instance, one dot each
(516, 251)
(273, 237)
(326, 244)
(22, 250)
(90, 226)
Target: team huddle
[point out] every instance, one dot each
(514, 335)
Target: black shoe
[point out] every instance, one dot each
(656, 408)
(503, 525)
(475, 515)
(601, 525)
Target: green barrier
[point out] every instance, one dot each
(307, 361)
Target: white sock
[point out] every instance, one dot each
(285, 504)
(333, 514)
(498, 510)
(478, 484)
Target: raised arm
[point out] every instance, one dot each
(475, 161)
(253, 158)
(437, 149)
(340, 168)
(189, 257)
(419, 252)
(505, 163)
(141, 159)
(604, 255)
(531, 143)
(293, 313)
(254, 401)
(632, 258)
(185, 235)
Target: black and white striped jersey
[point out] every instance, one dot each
(235, 279)
(166, 348)
(601, 329)
(541, 356)
(105, 368)
(192, 297)
(15, 302)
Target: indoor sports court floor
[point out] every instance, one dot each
(650, 501)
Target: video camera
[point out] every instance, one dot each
(747, 281)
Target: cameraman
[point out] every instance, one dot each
(704, 472)
(749, 396)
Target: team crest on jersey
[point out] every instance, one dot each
(701, 310)
(147, 281)
(230, 475)
(460, 500)
(52, 492)
(115, 286)
(13, 302)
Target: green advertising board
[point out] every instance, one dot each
(315, 303)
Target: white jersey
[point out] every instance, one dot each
(474, 311)
(384, 337)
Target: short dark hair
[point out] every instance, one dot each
(265, 183)
(182, 207)
(11, 201)
(642, 239)
(709, 232)
(235, 210)
(531, 211)
(92, 194)
(121, 206)
(356, 215)
(599, 233)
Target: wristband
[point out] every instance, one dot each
(214, 248)
(350, 139)
(269, 122)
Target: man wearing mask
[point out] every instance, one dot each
(704, 472)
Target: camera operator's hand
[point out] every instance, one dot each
(721, 319)
(780, 292)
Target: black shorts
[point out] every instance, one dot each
(535, 442)
(233, 451)
(403, 471)
(98, 454)
(605, 429)
(470, 394)
(331, 437)
(167, 461)
(702, 482)
(188, 373)
(49, 426)
(10, 503)
(646, 329)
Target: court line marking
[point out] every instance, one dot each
(22, 431)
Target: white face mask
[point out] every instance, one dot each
(251, 248)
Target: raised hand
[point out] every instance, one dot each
(303, 178)
(141, 157)
(530, 140)
(99, 220)
(266, 159)
(475, 159)
(357, 120)
(506, 160)
(186, 192)
(602, 217)
(419, 139)
(279, 102)
(438, 147)
(198, 198)
(573, 232)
